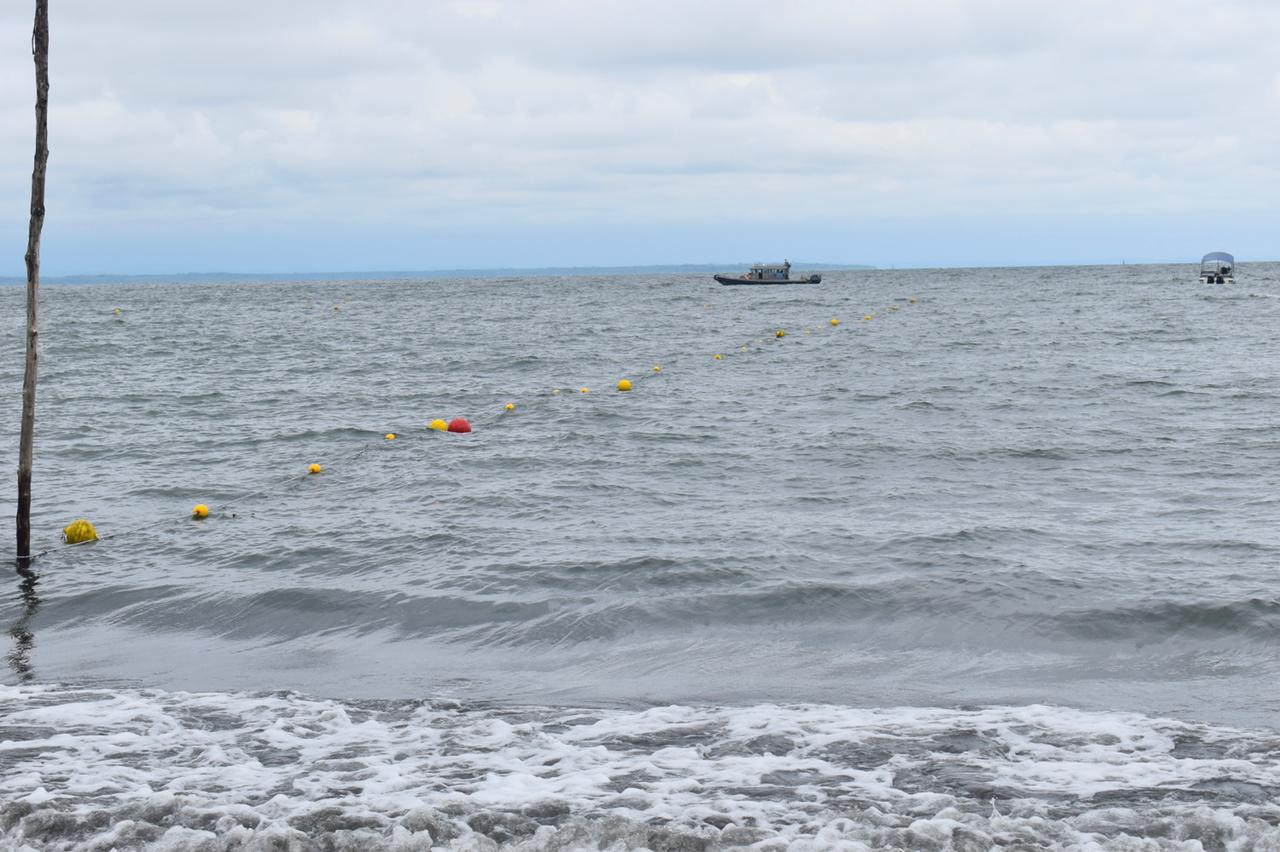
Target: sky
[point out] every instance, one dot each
(326, 135)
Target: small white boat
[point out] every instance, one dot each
(1217, 267)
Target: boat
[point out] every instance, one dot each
(769, 273)
(1217, 267)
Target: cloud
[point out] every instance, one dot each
(570, 113)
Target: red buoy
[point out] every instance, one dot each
(459, 424)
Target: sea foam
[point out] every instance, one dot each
(89, 769)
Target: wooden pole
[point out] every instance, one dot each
(40, 50)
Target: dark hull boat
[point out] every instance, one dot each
(744, 279)
(763, 273)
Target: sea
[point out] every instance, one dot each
(952, 559)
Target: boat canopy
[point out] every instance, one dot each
(1218, 255)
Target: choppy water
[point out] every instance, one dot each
(996, 567)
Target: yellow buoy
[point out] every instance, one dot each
(584, 390)
(835, 321)
(439, 425)
(779, 333)
(867, 318)
(511, 406)
(79, 531)
(200, 511)
(657, 368)
(315, 468)
(624, 384)
(717, 357)
(117, 312)
(391, 436)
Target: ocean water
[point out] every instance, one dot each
(996, 566)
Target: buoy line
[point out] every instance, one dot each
(81, 531)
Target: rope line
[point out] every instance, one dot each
(489, 421)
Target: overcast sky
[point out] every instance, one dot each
(276, 135)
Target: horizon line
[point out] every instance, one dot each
(475, 272)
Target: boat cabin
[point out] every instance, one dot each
(770, 272)
(1217, 267)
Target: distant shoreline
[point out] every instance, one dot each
(567, 271)
(512, 272)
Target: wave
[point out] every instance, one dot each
(85, 769)
(1258, 618)
(537, 604)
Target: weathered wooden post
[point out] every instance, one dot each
(40, 50)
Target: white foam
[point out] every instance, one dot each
(180, 770)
